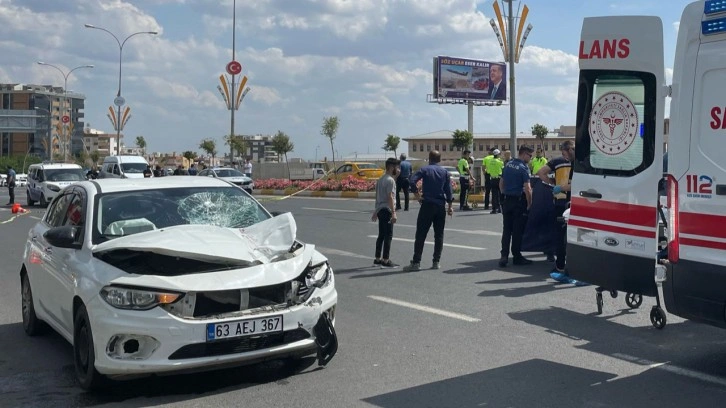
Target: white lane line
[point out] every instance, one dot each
(472, 232)
(423, 308)
(333, 251)
(332, 210)
(431, 243)
(674, 369)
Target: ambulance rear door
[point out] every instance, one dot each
(612, 229)
(695, 287)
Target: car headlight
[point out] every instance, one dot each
(318, 275)
(136, 298)
(52, 187)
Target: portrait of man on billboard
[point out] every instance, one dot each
(497, 84)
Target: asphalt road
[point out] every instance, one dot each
(468, 335)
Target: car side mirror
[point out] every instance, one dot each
(62, 237)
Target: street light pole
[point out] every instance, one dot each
(512, 93)
(119, 100)
(65, 103)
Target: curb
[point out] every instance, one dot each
(473, 198)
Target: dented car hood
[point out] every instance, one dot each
(262, 251)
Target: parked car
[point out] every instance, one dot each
(46, 180)
(3, 180)
(231, 175)
(363, 171)
(124, 166)
(453, 172)
(21, 180)
(173, 274)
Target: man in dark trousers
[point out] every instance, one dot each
(487, 178)
(385, 213)
(11, 184)
(517, 200)
(402, 183)
(562, 169)
(494, 168)
(464, 176)
(437, 195)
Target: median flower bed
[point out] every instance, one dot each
(349, 183)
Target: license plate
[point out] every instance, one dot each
(248, 327)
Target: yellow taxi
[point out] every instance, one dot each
(363, 171)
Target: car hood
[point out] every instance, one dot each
(236, 179)
(262, 251)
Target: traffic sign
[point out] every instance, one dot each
(119, 101)
(66, 118)
(234, 68)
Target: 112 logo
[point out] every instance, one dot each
(699, 184)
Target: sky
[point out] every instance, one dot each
(368, 62)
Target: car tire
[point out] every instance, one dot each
(84, 355)
(42, 201)
(30, 202)
(31, 324)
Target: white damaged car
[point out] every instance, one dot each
(174, 274)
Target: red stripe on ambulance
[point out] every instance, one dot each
(632, 214)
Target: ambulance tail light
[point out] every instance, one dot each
(673, 244)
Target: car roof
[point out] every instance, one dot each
(114, 185)
(56, 165)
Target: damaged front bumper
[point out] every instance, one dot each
(129, 343)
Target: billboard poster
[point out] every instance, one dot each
(468, 79)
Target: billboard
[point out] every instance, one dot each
(468, 79)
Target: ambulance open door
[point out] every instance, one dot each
(612, 229)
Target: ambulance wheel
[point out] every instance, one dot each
(633, 300)
(657, 317)
(613, 294)
(598, 299)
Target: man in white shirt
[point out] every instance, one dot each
(248, 168)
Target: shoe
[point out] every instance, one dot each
(398, 208)
(550, 258)
(486, 207)
(377, 262)
(561, 277)
(503, 262)
(493, 212)
(412, 267)
(389, 264)
(435, 265)
(405, 209)
(521, 261)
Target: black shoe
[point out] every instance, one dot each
(521, 261)
(389, 264)
(398, 208)
(377, 262)
(503, 262)
(405, 209)
(494, 212)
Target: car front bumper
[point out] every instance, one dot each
(181, 344)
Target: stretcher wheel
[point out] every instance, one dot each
(657, 317)
(633, 300)
(613, 294)
(598, 299)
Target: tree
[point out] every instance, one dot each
(462, 139)
(540, 132)
(282, 145)
(330, 130)
(190, 156)
(236, 144)
(95, 156)
(141, 144)
(392, 142)
(210, 147)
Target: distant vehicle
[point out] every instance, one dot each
(3, 180)
(123, 167)
(363, 171)
(21, 180)
(231, 175)
(46, 180)
(453, 172)
(307, 174)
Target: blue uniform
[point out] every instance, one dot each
(515, 175)
(514, 210)
(436, 193)
(403, 183)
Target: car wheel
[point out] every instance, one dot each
(31, 324)
(30, 202)
(42, 201)
(84, 356)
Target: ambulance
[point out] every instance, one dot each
(613, 227)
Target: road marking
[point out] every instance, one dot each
(673, 369)
(332, 210)
(472, 232)
(427, 309)
(431, 243)
(333, 251)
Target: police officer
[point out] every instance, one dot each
(494, 170)
(464, 175)
(487, 179)
(402, 183)
(517, 200)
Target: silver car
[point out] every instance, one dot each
(231, 175)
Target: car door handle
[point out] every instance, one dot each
(590, 194)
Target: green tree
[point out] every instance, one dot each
(190, 155)
(462, 139)
(94, 156)
(330, 130)
(81, 159)
(540, 132)
(282, 145)
(391, 145)
(210, 147)
(237, 144)
(141, 144)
